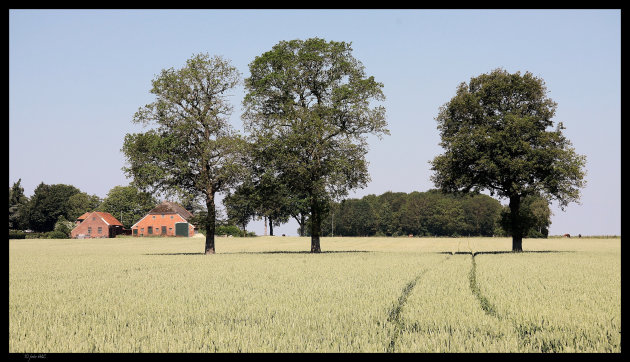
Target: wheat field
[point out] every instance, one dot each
(269, 294)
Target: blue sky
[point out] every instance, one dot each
(76, 77)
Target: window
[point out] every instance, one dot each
(100, 229)
(171, 217)
(89, 230)
(150, 230)
(153, 216)
(135, 232)
(162, 216)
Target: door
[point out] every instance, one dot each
(163, 230)
(181, 229)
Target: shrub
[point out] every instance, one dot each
(16, 234)
(64, 226)
(56, 234)
(228, 230)
(35, 235)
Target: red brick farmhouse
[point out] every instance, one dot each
(96, 224)
(166, 219)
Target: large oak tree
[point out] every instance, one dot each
(192, 149)
(498, 135)
(310, 102)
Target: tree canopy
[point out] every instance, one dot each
(47, 204)
(310, 102)
(17, 204)
(127, 204)
(429, 213)
(80, 203)
(497, 133)
(193, 150)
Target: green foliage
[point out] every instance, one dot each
(193, 151)
(309, 101)
(199, 218)
(62, 227)
(17, 234)
(37, 235)
(535, 215)
(128, 204)
(232, 230)
(497, 133)
(267, 196)
(241, 205)
(56, 234)
(80, 203)
(47, 204)
(430, 213)
(17, 205)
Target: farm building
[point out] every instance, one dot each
(81, 218)
(96, 224)
(166, 219)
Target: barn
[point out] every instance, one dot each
(166, 219)
(96, 224)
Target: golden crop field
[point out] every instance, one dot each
(269, 294)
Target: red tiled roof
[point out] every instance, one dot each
(104, 215)
(109, 218)
(82, 217)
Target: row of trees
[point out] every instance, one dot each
(308, 109)
(432, 213)
(307, 113)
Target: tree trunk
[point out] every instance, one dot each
(270, 227)
(210, 224)
(516, 224)
(316, 224)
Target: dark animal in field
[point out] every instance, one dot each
(567, 235)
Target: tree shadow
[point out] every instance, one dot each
(301, 252)
(369, 251)
(163, 254)
(505, 252)
(271, 252)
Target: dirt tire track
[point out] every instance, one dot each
(489, 308)
(395, 313)
(524, 332)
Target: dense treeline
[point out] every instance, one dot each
(52, 208)
(430, 213)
